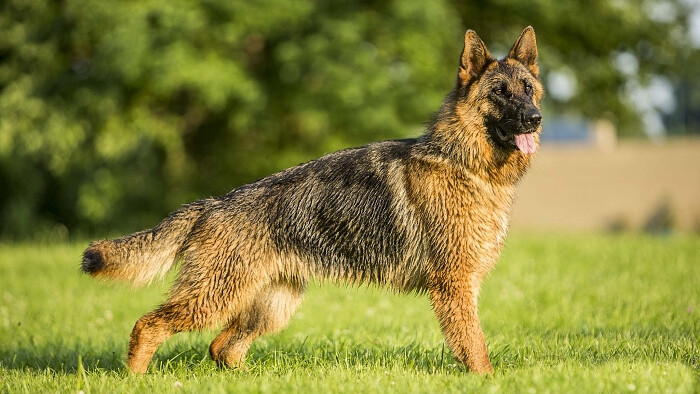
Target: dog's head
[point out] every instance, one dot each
(503, 95)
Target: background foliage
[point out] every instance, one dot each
(114, 113)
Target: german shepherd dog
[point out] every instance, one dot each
(428, 214)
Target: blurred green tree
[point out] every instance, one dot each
(114, 113)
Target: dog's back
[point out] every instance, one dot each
(348, 216)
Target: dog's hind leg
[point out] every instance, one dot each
(269, 311)
(196, 310)
(207, 292)
(148, 333)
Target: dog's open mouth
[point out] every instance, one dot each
(525, 142)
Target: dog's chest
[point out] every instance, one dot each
(483, 219)
(466, 216)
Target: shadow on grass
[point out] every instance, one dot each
(57, 357)
(62, 358)
(587, 347)
(310, 354)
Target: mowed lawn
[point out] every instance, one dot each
(561, 313)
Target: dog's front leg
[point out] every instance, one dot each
(454, 300)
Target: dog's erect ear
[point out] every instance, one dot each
(525, 50)
(474, 59)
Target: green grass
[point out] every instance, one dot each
(561, 313)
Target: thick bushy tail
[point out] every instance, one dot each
(142, 256)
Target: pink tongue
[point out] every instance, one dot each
(526, 143)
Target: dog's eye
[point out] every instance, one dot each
(528, 88)
(499, 90)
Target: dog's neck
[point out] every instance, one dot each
(463, 140)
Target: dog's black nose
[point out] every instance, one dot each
(532, 117)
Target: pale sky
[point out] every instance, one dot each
(694, 19)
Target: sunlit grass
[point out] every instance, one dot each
(561, 313)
